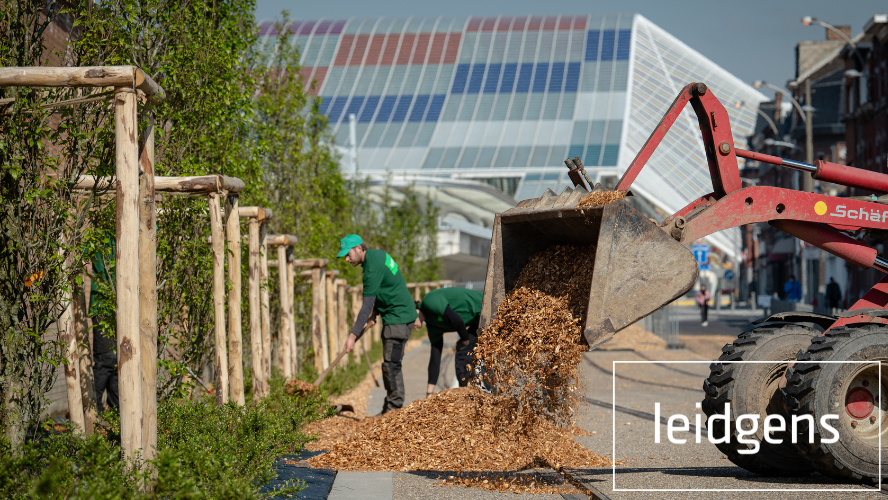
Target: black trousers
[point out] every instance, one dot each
(394, 339)
(464, 360)
(104, 369)
(704, 311)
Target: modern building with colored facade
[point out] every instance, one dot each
(504, 100)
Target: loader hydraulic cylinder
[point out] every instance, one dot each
(834, 242)
(827, 172)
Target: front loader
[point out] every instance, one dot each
(640, 266)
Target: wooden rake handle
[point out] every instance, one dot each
(339, 356)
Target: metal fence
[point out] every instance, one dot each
(664, 323)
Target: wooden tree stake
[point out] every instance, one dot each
(286, 295)
(148, 295)
(127, 272)
(221, 355)
(255, 319)
(319, 318)
(235, 338)
(332, 315)
(294, 345)
(342, 320)
(265, 311)
(68, 335)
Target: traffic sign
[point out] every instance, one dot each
(729, 275)
(701, 253)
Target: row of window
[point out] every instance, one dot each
(513, 77)
(412, 108)
(477, 158)
(474, 78)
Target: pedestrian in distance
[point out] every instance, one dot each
(793, 290)
(703, 303)
(451, 310)
(385, 291)
(833, 294)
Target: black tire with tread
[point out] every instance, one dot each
(727, 382)
(807, 381)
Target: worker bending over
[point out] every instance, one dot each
(451, 310)
(385, 291)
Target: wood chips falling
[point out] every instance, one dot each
(599, 198)
(531, 349)
(528, 358)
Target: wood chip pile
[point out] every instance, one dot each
(599, 198)
(531, 349)
(298, 387)
(454, 430)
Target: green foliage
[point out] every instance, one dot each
(204, 451)
(40, 219)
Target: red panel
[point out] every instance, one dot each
(535, 24)
(452, 48)
(508, 23)
(319, 74)
(383, 49)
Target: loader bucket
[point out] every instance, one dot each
(638, 267)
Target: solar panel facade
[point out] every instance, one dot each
(485, 97)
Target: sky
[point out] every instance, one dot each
(753, 39)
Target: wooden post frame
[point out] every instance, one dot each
(342, 316)
(148, 293)
(220, 359)
(257, 218)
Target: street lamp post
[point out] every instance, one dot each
(761, 113)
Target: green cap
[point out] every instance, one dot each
(345, 244)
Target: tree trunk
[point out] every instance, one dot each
(221, 356)
(87, 379)
(235, 338)
(68, 334)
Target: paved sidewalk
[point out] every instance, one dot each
(362, 486)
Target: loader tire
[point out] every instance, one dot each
(851, 391)
(753, 388)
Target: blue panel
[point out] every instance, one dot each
(607, 45)
(386, 109)
(435, 108)
(592, 155)
(492, 80)
(532, 177)
(524, 74)
(611, 151)
(370, 105)
(592, 45)
(540, 76)
(556, 81)
(354, 106)
(402, 108)
(336, 108)
(325, 104)
(420, 103)
(576, 150)
(573, 77)
(460, 79)
(510, 71)
(625, 37)
(476, 78)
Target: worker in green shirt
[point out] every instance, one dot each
(451, 310)
(385, 291)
